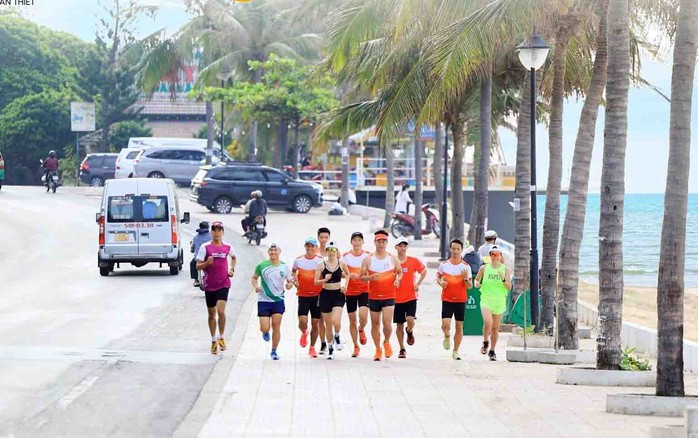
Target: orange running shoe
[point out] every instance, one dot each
(304, 339)
(312, 352)
(388, 349)
(362, 337)
(356, 351)
(379, 354)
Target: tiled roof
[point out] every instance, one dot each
(162, 104)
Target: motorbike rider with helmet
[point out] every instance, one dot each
(50, 164)
(258, 208)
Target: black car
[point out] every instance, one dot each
(97, 168)
(220, 188)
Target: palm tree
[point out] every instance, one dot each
(522, 195)
(437, 170)
(670, 291)
(390, 183)
(573, 229)
(418, 175)
(476, 234)
(613, 187)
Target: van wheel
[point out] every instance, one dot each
(156, 175)
(174, 270)
(223, 205)
(104, 272)
(302, 204)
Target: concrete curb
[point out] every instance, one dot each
(532, 341)
(648, 404)
(594, 377)
(674, 431)
(561, 357)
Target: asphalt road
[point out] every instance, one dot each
(84, 355)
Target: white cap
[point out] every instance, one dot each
(274, 246)
(331, 245)
(495, 248)
(490, 234)
(402, 240)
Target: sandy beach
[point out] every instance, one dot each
(640, 306)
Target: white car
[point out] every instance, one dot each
(125, 164)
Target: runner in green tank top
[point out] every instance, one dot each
(493, 281)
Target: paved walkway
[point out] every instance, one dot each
(427, 394)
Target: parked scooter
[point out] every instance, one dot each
(403, 224)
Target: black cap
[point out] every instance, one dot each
(203, 225)
(357, 234)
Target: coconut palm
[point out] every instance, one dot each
(670, 291)
(476, 234)
(613, 187)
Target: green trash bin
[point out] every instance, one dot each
(473, 317)
(516, 315)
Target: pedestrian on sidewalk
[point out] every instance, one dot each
(203, 235)
(406, 295)
(490, 241)
(276, 279)
(213, 258)
(403, 200)
(455, 278)
(329, 274)
(323, 237)
(357, 291)
(383, 272)
(308, 292)
(493, 281)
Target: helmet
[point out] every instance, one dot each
(52, 153)
(258, 193)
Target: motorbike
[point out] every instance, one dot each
(403, 224)
(51, 180)
(257, 232)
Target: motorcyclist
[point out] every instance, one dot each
(50, 164)
(245, 221)
(258, 207)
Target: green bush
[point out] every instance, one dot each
(631, 362)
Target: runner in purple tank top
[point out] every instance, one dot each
(212, 258)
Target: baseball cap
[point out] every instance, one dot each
(495, 248)
(490, 234)
(218, 224)
(311, 241)
(380, 235)
(203, 225)
(357, 234)
(274, 246)
(401, 241)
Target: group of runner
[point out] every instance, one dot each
(380, 284)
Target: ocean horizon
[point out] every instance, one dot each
(642, 229)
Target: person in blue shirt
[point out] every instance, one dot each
(203, 235)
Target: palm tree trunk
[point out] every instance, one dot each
(476, 235)
(457, 201)
(209, 132)
(613, 188)
(522, 214)
(390, 184)
(252, 149)
(281, 146)
(672, 261)
(344, 194)
(418, 195)
(573, 229)
(437, 168)
(551, 226)
(296, 146)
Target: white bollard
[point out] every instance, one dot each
(692, 421)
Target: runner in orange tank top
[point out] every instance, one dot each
(383, 272)
(357, 291)
(406, 297)
(304, 280)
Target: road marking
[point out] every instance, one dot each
(40, 353)
(76, 392)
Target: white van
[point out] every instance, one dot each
(124, 163)
(139, 224)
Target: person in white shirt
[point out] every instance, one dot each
(403, 200)
(490, 241)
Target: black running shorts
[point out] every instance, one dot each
(403, 310)
(378, 305)
(329, 299)
(356, 301)
(214, 296)
(309, 305)
(453, 310)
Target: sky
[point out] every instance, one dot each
(648, 124)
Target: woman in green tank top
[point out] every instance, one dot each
(494, 284)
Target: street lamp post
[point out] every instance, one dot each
(532, 54)
(444, 199)
(222, 120)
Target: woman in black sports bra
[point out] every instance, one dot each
(329, 274)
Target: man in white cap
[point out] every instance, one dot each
(490, 241)
(406, 295)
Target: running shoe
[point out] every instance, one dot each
(410, 337)
(455, 355)
(447, 342)
(379, 354)
(214, 347)
(323, 347)
(197, 284)
(403, 354)
(274, 356)
(485, 346)
(388, 349)
(311, 352)
(330, 352)
(338, 343)
(362, 337)
(221, 344)
(492, 355)
(304, 339)
(266, 336)
(356, 351)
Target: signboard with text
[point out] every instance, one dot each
(82, 116)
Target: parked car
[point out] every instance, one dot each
(98, 168)
(139, 224)
(220, 188)
(124, 163)
(179, 164)
(2, 170)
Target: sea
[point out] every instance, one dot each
(642, 232)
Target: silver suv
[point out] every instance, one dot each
(177, 163)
